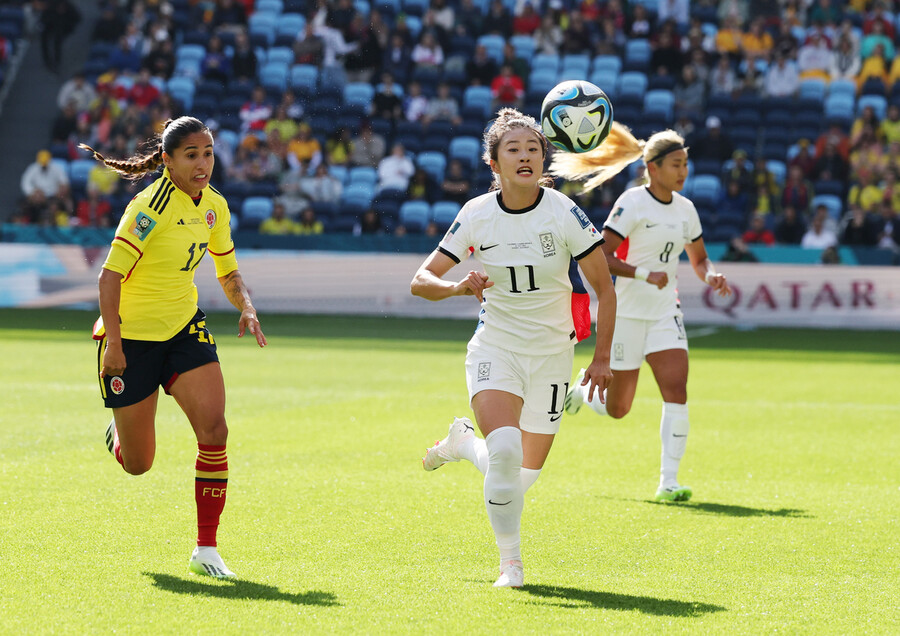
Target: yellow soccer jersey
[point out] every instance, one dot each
(161, 239)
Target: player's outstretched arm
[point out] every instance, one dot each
(110, 286)
(618, 267)
(239, 296)
(596, 271)
(428, 283)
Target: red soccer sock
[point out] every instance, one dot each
(210, 485)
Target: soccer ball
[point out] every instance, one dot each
(576, 116)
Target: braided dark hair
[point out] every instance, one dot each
(509, 119)
(173, 135)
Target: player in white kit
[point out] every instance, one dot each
(519, 360)
(645, 234)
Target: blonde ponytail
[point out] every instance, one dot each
(601, 164)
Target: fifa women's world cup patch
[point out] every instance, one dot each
(581, 216)
(141, 226)
(211, 218)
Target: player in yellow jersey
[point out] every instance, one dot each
(151, 332)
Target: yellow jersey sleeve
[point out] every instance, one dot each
(221, 245)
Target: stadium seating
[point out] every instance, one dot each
(467, 150)
(434, 163)
(833, 203)
(255, 210)
(444, 213)
(415, 216)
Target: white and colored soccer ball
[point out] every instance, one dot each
(576, 116)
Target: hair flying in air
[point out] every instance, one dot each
(509, 119)
(620, 149)
(175, 131)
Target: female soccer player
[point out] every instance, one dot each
(645, 234)
(151, 331)
(519, 360)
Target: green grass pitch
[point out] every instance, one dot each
(334, 527)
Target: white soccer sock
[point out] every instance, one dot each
(529, 476)
(673, 431)
(475, 450)
(598, 406)
(503, 495)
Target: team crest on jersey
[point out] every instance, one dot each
(581, 216)
(117, 385)
(211, 218)
(484, 371)
(141, 226)
(547, 244)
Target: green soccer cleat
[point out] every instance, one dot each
(674, 493)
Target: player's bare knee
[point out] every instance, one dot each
(617, 411)
(213, 432)
(137, 465)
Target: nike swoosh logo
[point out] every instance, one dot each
(484, 248)
(674, 435)
(553, 419)
(649, 225)
(495, 503)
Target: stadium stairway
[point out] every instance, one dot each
(30, 107)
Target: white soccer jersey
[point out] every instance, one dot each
(526, 253)
(654, 234)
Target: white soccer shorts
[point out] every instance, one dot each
(541, 381)
(634, 339)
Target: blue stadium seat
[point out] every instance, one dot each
(466, 149)
(415, 216)
(637, 55)
(434, 163)
(357, 196)
(607, 63)
(494, 44)
(660, 103)
(877, 102)
(274, 76)
(388, 8)
(833, 203)
(415, 8)
(304, 78)
(79, 170)
(631, 88)
(578, 64)
(362, 174)
(778, 168)
(444, 213)
(540, 82)
(706, 190)
(263, 26)
(280, 54)
(842, 87)
(839, 109)
(339, 172)
(269, 6)
(546, 62)
(605, 80)
(812, 90)
(255, 210)
(477, 101)
(358, 97)
(524, 46)
(182, 89)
